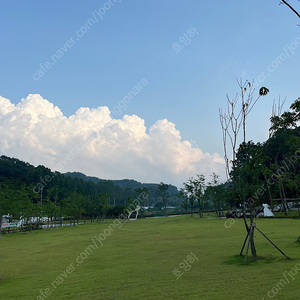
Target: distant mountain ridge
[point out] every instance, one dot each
(124, 183)
(39, 183)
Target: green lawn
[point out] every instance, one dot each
(137, 259)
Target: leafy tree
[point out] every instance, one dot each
(215, 190)
(189, 189)
(163, 193)
(185, 199)
(199, 184)
(159, 204)
(288, 119)
(73, 206)
(103, 202)
(26, 206)
(4, 204)
(142, 195)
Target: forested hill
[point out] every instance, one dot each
(18, 177)
(124, 183)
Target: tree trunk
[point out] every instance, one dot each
(31, 224)
(199, 210)
(271, 200)
(251, 239)
(202, 208)
(298, 206)
(0, 225)
(250, 232)
(283, 200)
(207, 208)
(245, 217)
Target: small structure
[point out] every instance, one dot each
(267, 212)
(6, 222)
(31, 220)
(136, 215)
(6, 219)
(264, 212)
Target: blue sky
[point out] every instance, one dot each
(132, 40)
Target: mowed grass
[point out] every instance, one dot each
(137, 261)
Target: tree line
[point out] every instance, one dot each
(30, 192)
(267, 172)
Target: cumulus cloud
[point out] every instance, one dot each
(92, 142)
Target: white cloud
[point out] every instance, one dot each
(92, 142)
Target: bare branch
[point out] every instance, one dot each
(287, 4)
(233, 118)
(276, 111)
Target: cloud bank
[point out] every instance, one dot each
(92, 142)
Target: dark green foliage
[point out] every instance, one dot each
(162, 192)
(27, 191)
(267, 172)
(115, 211)
(126, 186)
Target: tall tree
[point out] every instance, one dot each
(189, 189)
(199, 187)
(103, 203)
(215, 190)
(142, 195)
(232, 119)
(4, 209)
(184, 197)
(163, 193)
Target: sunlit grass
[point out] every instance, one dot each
(137, 260)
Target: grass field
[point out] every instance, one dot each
(135, 260)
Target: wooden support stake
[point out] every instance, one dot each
(245, 261)
(244, 244)
(272, 243)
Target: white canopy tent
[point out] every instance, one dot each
(267, 212)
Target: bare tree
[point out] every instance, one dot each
(232, 120)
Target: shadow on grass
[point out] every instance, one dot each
(3, 278)
(238, 260)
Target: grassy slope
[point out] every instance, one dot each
(136, 261)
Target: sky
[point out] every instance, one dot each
(131, 88)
